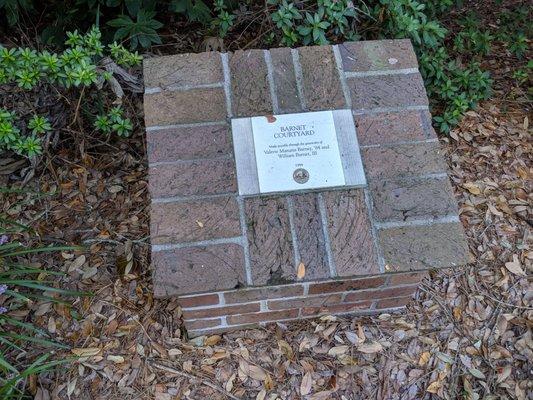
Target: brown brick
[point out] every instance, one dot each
(285, 81)
(191, 221)
(198, 269)
(185, 106)
(250, 92)
(403, 161)
(344, 308)
(313, 301)
(387, 128)
(272, 292)
(394, 302)
(198, 301)
(380, 293)
(405, 279)
(321, 82)
(346, 285)
(188, 143)
(221, 311)
(189, 178)
(183, 70)
(350, 233)
(426, 122)
(405, 200)
(378, 55)
(310, 236)
(261, 317)
(203, 323)
(402, 90)
(270, 243)
(424, 247)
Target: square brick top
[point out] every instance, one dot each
(205, 237)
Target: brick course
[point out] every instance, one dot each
(235, 262)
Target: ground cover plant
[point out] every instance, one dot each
(468, 335)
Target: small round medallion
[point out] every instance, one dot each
(300, 175)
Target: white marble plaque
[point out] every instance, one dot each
(297, 151)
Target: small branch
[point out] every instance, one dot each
(193, 379)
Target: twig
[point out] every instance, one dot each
(194, 379)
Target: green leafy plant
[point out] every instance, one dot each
(141, 32)
(21, 341)
(224, 20)
(314, 30)
(114, 121)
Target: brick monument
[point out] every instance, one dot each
(234, 250)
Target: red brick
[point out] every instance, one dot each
(393, 303)
(378, 55)
(250, 92)
(402, 90)
(270, 242)
(221, 311)
(403, 161)
(346, 285)
(198, 301)
(185, 106)
(188, 178)
(314, 301)
(183, 70)
(310, 236)
(261, 317)
(426, 121)
(350, 233)
(198, 269)
(424, 247)
(405, 200)
(321, 82)
(188, 143)
(203, 323)
(405, 279)
(337, 309)
(271, 292)
(285, 81)
(387, 128)
(380, 293)
(191, 221)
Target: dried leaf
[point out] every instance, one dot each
(306, 384)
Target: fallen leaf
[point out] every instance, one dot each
(306, 384)
(514, 266)
(301, 271)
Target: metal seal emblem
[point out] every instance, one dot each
(300, 175)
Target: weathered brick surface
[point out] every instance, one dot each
(198, 301)
(388, 128)
(371, 92)
(183, 107)
(189, 178)
(198, 269)
(260, 317)
(203, 323)
(405, 200)
(403, 161)
(321, 81)
(221, 311)
(394, 302)
(188, 143)
(183, 70)
(310, 236)
(271, 292)
(378, 55)
(380, 293)
(406, 278)
(249, 84)
(270, 243)
(316, 301)
(350, 233)
(344, 308)
(285, 81)
(424, 247)
(346, 285)
(191, 221)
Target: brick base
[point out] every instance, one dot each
(241, 309)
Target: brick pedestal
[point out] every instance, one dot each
(235, 262)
